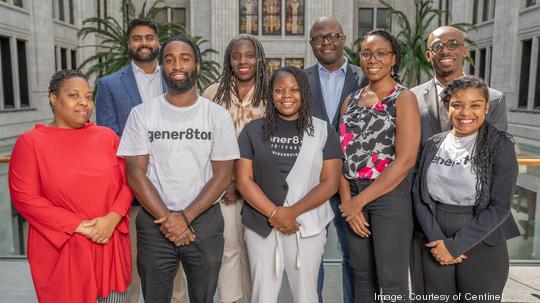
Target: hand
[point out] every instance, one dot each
(441, 253)
(172, 225)
(83, 229)
(184, 238)
(350, 208)
(231, 194)
(284, 220)
(103, 227)
(359, 224)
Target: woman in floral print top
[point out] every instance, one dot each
(380, 136)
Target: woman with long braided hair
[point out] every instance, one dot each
(462, 197)
(241, 90)
(289, 167)
(380, 135)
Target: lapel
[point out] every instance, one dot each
(430, 97)
(163, 83)
(130, 85)
(430, 152)
(351, 83)
(315, 84)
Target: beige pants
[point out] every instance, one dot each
(180, 286)
(234, 277)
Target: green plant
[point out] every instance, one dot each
(112, 51)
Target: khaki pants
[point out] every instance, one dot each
(180, 286)
(234, 277)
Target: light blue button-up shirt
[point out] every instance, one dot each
(331, 87)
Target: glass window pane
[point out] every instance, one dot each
(272, 17)
(61, 13)
(249, 18)
(365, 21)
(73, 59)
(272, 64)
(63, 58)
(18, 3)
(23, 73)
(71, 14)
(524, 74)
(7, 80)
(383, 21)
(179, 16)
(297, 62)
(294, 17)
(161, 17)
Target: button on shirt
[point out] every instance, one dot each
(149, 84)
(332, 86)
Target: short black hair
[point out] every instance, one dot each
(141, 22)
(61, 76)
(185, 40)
(464, 83)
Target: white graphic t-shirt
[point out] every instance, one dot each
(181, 143)
(450, 178)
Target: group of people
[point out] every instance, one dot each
(239, 185)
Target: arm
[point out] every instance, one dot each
(504, 174)
(498, 113)
(406, 150)
(247, 187)
(105, 109)
(55, 223)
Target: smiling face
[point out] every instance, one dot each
(328, 53)
(381, 58)
(143, 44)
(286, 96)
(180, 69)
(73, 103)
(447, 63)
(467, 111)
(243, 60)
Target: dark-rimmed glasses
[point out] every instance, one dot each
(331, 37)
(451, 45)
(379, 55)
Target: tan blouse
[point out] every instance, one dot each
(242, 112)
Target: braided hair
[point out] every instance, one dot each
(394, 43)
(227, 84)
(58, 79)
(485, 140)
(305, 120)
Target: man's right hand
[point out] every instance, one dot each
(172, 225)
(231, 195)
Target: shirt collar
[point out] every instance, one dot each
(137, 69)
(343, 67)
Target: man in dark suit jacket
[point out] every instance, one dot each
(331, 80)
(446, 52)
(140, 81)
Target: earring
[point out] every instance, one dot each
(486, 112)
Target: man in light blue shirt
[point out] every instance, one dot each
(331, 80)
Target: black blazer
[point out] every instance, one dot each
(267, 175)
(354, 80)
(493, 222)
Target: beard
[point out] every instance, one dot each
(181, 86)
(150, 57)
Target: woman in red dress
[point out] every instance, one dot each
(66, 180)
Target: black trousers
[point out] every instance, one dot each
(380, 262)
(158, 258)
(480, 278)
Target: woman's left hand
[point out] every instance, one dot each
(284, 220)
(441, 253)
(350, 209)
(103, 227)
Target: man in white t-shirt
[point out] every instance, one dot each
(179, 152)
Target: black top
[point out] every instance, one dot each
(286, 145)
(493, 222)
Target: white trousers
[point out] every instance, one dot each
(234, 276)
(299, 257)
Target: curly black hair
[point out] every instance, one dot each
(141, 22)
(180, 38)
(226, 80)
(484, 147)
(394, 43)
(305, 120)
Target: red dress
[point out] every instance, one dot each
(57, 178)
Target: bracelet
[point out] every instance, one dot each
(187, 221)
(273, 212)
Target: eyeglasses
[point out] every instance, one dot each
(282, 91)
(379, 55)
(331, 37)
(451, 45)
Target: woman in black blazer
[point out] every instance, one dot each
(462, 197)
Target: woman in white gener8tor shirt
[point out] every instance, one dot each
(462, 197)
